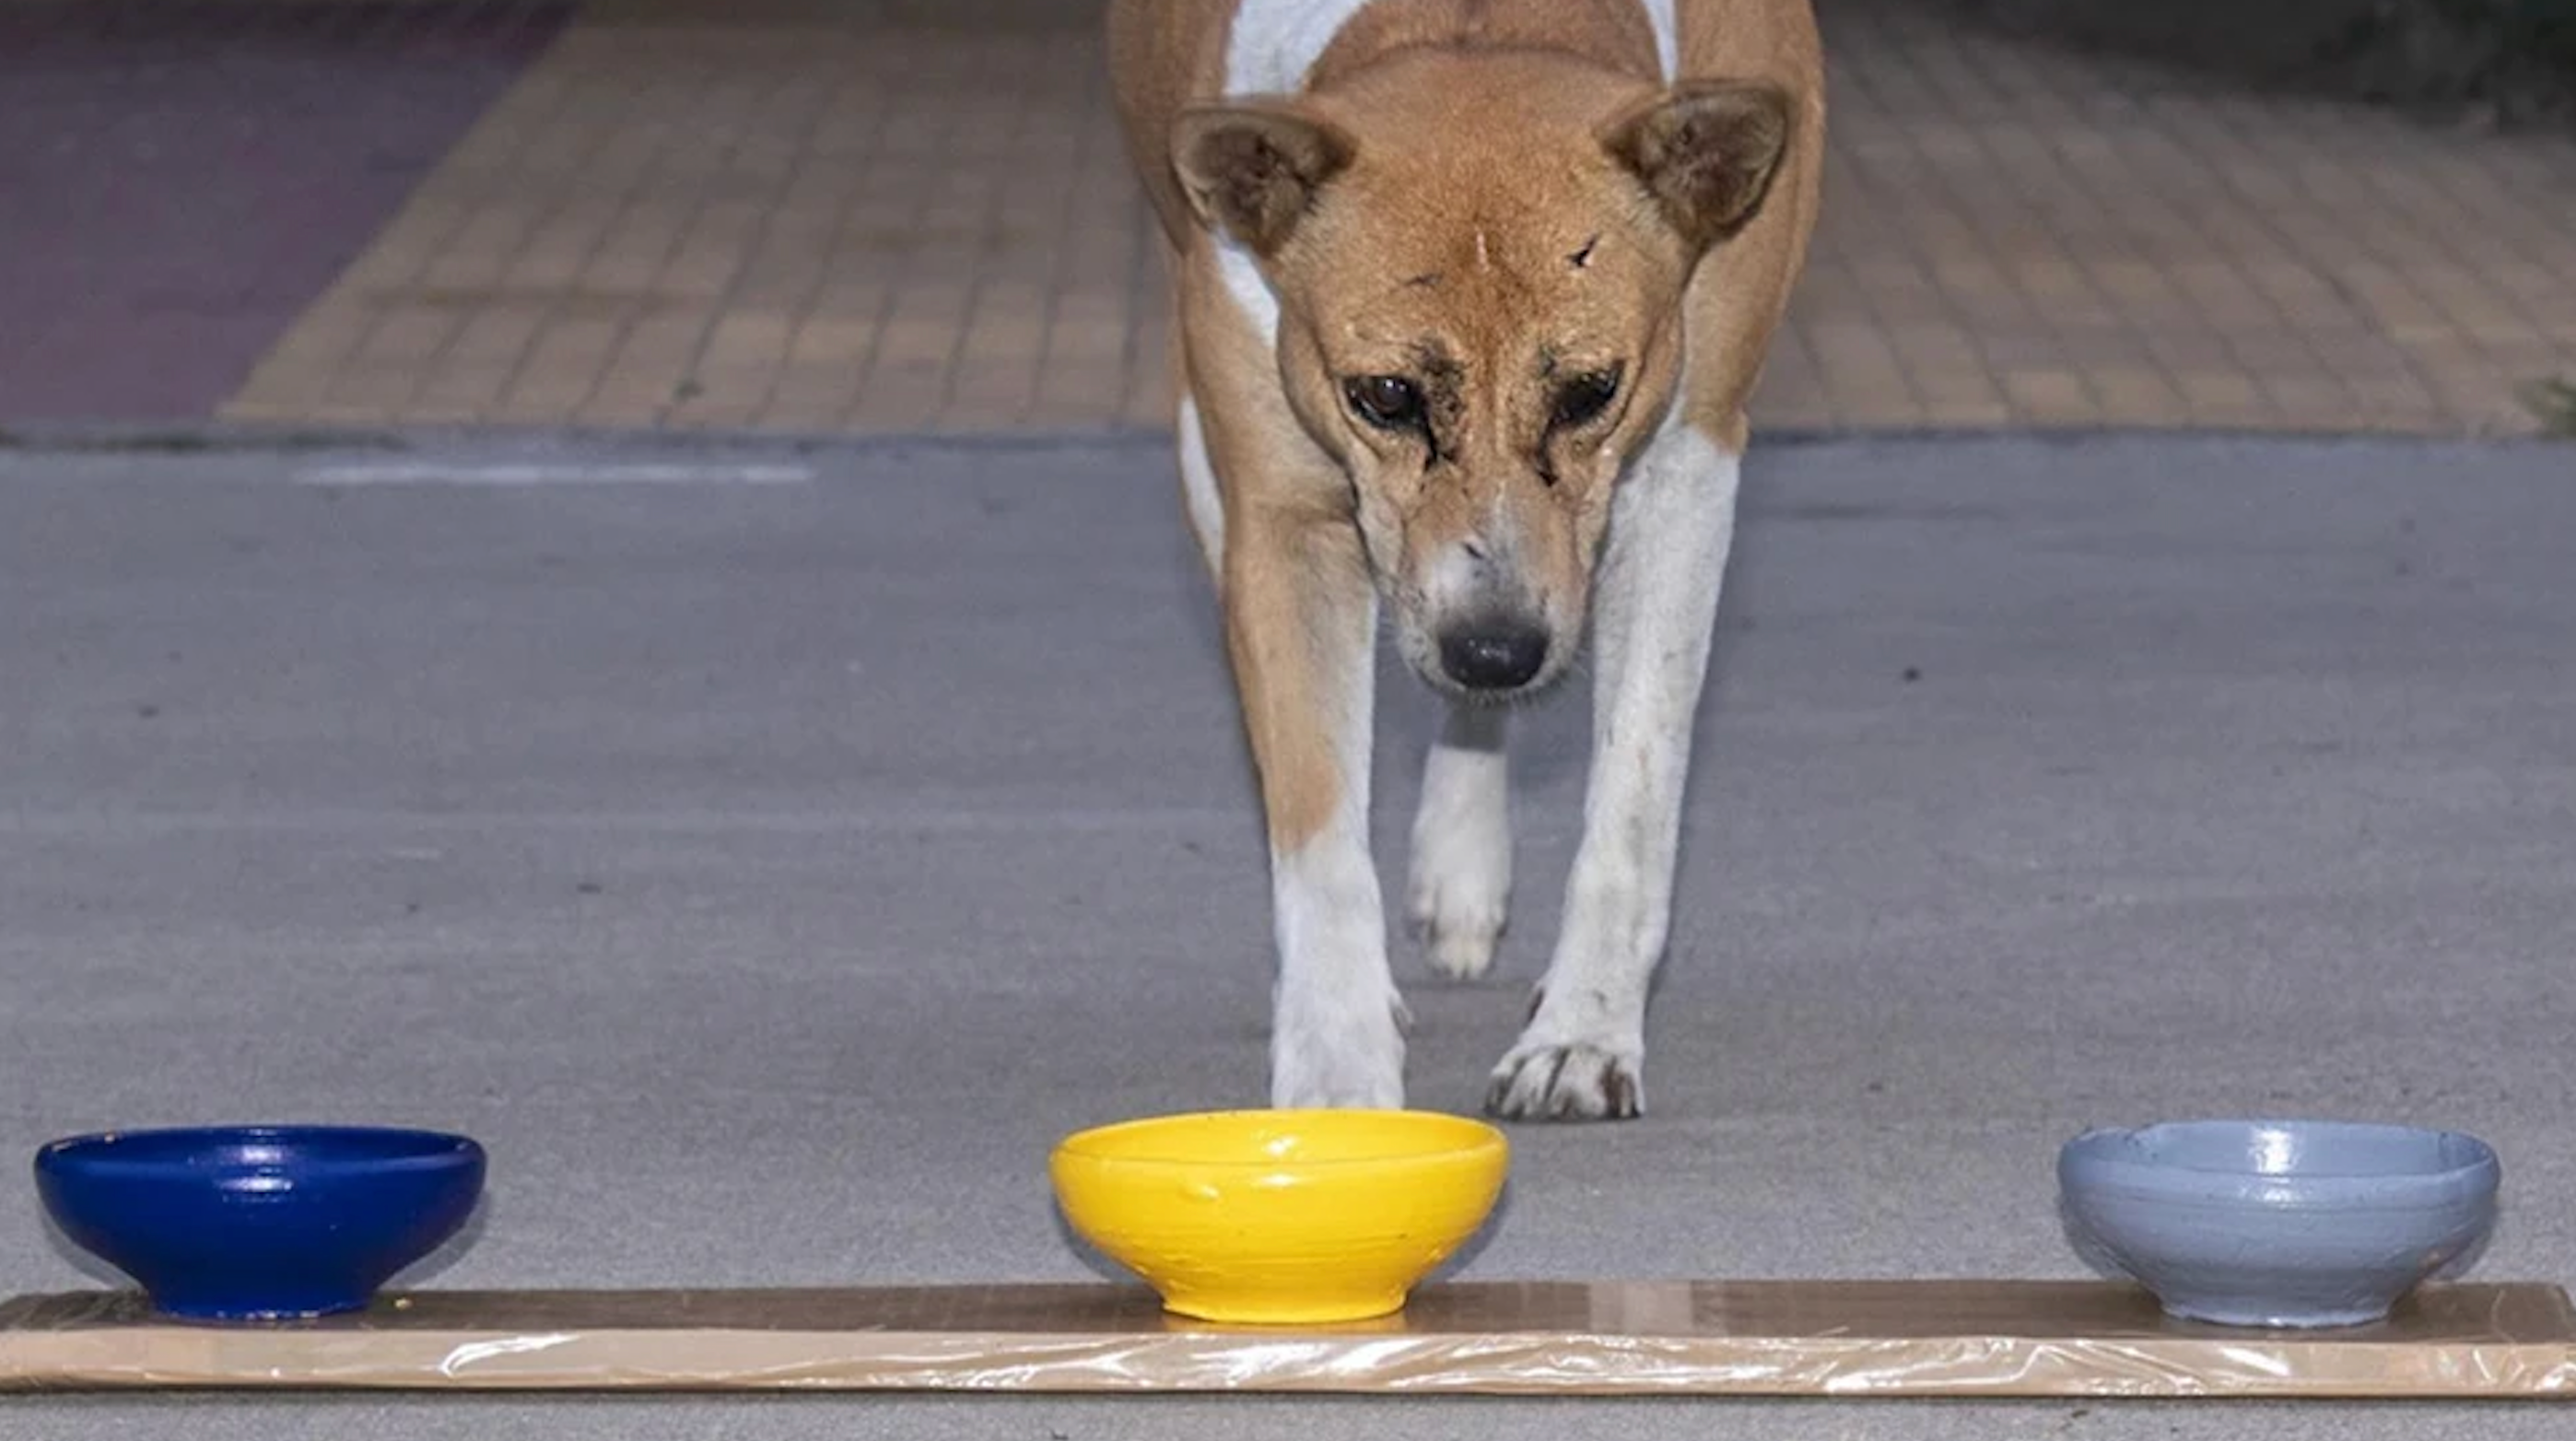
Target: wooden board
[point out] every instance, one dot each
(1710, 1338)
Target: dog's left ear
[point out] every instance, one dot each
(1254, 169)
(1706, 151)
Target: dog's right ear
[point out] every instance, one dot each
(1253, 170)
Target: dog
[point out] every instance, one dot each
(1469, 298)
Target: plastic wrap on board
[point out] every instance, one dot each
(1778, 1338)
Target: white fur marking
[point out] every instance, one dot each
(1462, 844)
(1336, 1037)
(1249, 288)
(1269, 49)
(1273, 43)
(1668, 44)
(1671, 529)
(1456, 583)
(1335, 1041)
(1199, 490)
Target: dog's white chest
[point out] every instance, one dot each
(1274, 43)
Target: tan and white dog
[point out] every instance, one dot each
(1470, 296)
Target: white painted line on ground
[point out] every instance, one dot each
(436, 473)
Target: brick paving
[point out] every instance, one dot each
(773, 215)
(179, 179)
(881, 216)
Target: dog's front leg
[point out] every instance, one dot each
(1461, 889)
(1672, 525)
(1301, 626)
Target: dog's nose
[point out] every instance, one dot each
(1494, 656)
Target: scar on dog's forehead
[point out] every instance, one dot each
(1432, 358)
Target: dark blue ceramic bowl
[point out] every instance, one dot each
(241, 1223)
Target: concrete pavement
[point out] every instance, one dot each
(770, 872)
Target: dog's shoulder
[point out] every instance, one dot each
(1272, 44)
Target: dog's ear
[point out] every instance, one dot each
(1706, 151)
(1254, 169)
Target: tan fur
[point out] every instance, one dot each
(1291, 556)
(1463, 232)
(1523, 284)
(1742, 288)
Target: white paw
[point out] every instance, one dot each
(1458, 910)
(1461, 889)
(1334, 1054)
(1569, 1080)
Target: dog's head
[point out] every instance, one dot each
(1480, 267)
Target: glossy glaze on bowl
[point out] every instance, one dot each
(260, 1222)
(2279, 1223)
(1282, 1217)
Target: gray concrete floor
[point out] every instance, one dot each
(769, 874)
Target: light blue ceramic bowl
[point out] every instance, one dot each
(2279, 1223)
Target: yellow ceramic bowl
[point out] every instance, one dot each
(1282, 1217)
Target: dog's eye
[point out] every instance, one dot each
(1389, 402)
(1581, 400)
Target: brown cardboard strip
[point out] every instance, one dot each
(1714, 1338)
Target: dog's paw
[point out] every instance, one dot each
(1461, 886)
(1459, 921)
(1568, 1081)
(1460, 895)
(1337, 1056)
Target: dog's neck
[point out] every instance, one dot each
(1279, 46)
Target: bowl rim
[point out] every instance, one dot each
(2105, 1155)
(183, 1152)
(1475, 1138)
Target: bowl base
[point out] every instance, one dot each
(2256, 1313)
(1262, 1309)
(236, 1311)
